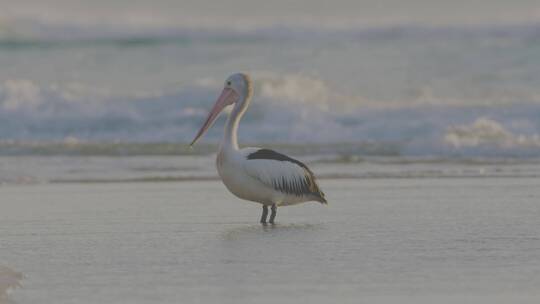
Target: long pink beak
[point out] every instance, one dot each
(228, 96)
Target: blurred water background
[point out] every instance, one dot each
(455, 78)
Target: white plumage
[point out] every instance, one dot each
(259, 175)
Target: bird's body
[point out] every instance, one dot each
(267, 180)
(254, 174)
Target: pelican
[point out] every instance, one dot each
(259, 175)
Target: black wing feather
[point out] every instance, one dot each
(299, 187)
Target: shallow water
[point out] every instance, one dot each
(36, 169)
(379, 240)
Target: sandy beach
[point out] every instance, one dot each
(414, 240)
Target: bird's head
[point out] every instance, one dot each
(237, 91)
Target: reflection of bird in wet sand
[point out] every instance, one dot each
(9, 279)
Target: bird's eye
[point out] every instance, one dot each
(228, 83)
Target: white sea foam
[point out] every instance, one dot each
(20, 94)
(296, 89)
(488, 132)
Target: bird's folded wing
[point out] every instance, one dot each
(282, 173)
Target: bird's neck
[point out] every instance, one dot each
(230, 141)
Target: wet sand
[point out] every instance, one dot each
(407, 240)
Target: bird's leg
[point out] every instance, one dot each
(273, 215)
(264, 214)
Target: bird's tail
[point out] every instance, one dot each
(321, 199)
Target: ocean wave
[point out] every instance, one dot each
(244, 15)
(28, 33)
(29, 111)
(290, 108)
(488, 132)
